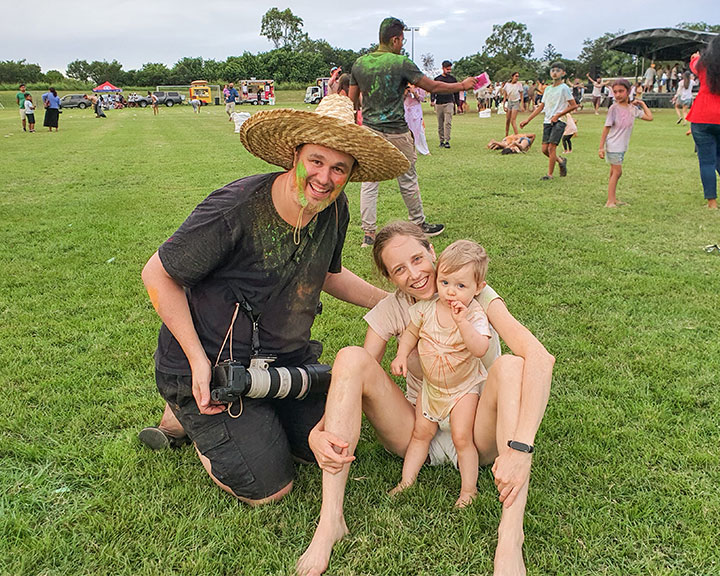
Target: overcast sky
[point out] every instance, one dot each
(53, 33)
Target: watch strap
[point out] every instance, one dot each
(521, 446)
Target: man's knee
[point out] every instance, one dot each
(279, 495)
(230, 485)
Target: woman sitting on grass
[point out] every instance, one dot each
(508, 414)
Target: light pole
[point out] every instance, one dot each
(412, 30)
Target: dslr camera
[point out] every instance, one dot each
(231, 380)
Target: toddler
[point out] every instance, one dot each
(452, 333)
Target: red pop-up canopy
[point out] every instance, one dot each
(107, 87)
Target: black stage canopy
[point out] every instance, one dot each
(662, 43)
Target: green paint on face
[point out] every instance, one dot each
(301, 182)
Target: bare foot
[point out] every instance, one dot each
(508, 558)
(401, 487)
(712, 204)
(465, 499)
(610, 205)
(316, 558)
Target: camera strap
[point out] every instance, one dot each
(288, 271)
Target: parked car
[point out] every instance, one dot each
(169, 98)
(75, 101)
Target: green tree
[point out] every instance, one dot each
(511, 38)
(283, 29)
(597, 59)
(153, 74)
(16, 71)
(106, 72)
(699, 26)
(550, 54)
(78, 69)
(54, 76)
(186, 70)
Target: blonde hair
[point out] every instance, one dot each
(461, 253)
(388, 232)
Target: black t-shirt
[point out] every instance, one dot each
(446, 98)
(235, 244)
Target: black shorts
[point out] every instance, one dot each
(252, 454)
(553, 133)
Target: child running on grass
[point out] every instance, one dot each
(616, 134)
(451, 332)
(557, 101)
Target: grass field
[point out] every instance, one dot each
(626, 475)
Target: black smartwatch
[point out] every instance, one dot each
(521, 447)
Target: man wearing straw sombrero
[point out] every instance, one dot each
(268, 243)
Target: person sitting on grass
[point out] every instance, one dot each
(557, 101)
(508, 415)
(270, 242)
(513, 144)
(451, 333)
(616, 134)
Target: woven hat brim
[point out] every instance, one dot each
(273, 135)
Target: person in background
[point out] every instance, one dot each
(445, 104)
(570, 131)
(705, 118)
(557, 102)
(512, 102)
(414, 97)
(29, 112)
(51, 101)
(377, 82)
(20, 97)
(683, 97)
(616, 134)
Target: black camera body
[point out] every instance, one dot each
(232, 380)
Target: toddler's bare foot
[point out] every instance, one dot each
(401, 487)
(465, 499)
(316, 558)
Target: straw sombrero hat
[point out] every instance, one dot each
(274, 135)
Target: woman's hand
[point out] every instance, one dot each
(330, 451)
(399, 366)
(512, 471)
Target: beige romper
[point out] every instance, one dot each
(450, 370)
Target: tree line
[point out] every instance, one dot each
(298, 59)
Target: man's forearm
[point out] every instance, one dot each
(349, 287)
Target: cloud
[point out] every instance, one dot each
(427, 27)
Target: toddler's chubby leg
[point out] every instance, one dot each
(462, 424)
(417, 450)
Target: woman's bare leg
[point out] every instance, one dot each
(496, 420)
(358, 384)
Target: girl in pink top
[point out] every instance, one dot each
(616, 134)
